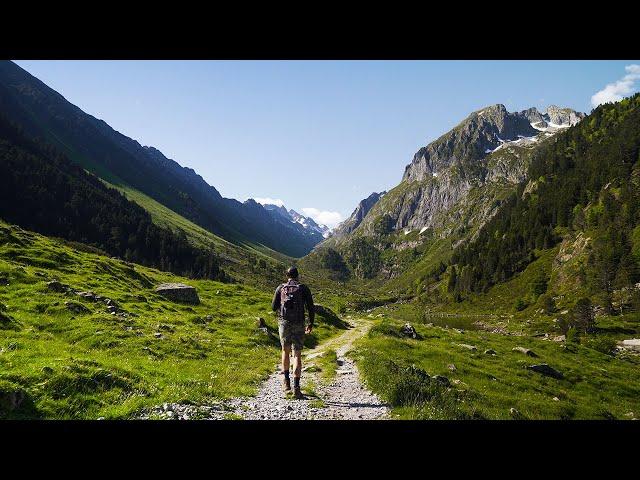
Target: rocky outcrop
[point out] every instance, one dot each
(487, 152)
(480, 132)
(354, 220)
(179, 292)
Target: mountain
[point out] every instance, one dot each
(43, 191)
(306, 226)
(351, 223)
(449, 190)
(127, 165)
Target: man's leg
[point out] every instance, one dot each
(286, 383)
(297, 363)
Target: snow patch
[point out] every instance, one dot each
(423, 229)
(407, 232)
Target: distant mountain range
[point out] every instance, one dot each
(306, 225)
(124, 163)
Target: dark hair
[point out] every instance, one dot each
(292, 272)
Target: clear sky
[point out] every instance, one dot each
(318, 135)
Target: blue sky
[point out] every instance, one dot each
(318, 135)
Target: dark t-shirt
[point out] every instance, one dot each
(306, 295)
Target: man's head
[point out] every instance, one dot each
(292, 272)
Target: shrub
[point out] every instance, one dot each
(606, 345)
(520, 305)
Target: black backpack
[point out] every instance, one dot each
(292, 302)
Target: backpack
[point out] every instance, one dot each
(292, 302)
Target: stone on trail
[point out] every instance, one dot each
(179, 292)
(545, 369)
(408, 331)
(526, 351)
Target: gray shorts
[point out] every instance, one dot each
(291, 334)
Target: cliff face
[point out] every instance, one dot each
(354, 220)
(490, 148)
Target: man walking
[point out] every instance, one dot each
(289, 301)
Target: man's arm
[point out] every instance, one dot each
(275, 303)
(310, 307)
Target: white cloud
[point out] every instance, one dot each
(614, 92)
(269, 201)
(325, 217)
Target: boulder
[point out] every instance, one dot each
(526, 351)
(468, 347)
(76, 307)
(490, 351)
(11, 396)
(452, 367)
(546, 370)
(179, 292)
(57, 286)
(407, 330)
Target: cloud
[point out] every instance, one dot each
(325, 217)
(269, 201)
(614, 92)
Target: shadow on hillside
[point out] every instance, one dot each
(328, 316)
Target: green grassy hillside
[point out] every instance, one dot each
(73, 358)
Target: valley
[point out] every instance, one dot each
(499, 279)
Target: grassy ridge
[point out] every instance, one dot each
(78, 360)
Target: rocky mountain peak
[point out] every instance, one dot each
(351, 223)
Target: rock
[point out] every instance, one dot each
(56, 286)
(490, 351)
(546, 370)
(11, 399)
(47, 370)
(526, 351)
(92, 297)
(559, 338)
(631, 344)
(468, 347)
(407, 330)
(452, 367)
(515, 413)
(76, 307)
(556, 399)
(179, 292)
(157, 335)
(441, 379)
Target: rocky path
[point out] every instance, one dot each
(344, 398)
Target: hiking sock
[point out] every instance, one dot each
(296, 382)
(286, 375)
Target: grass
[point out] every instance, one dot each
(95, 364)
(240, 260)
(596, 385)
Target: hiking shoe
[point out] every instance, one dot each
(286, 384)
(297, 394)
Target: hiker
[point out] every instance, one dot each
(289, 301)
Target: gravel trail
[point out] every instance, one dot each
(344, 398)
